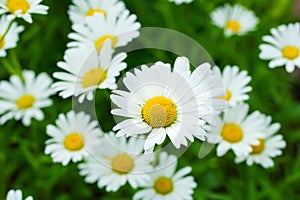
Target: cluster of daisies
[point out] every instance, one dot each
(157, 105)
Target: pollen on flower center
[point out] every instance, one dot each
(227, 96)
(100, 41)
(257, 149)
(93, 77)
(233, 25)
(232, 133)
(74, 142)
(290, 52)
(122, 164)
(2, 43)
(93, 11)
(14, 5)
(163, 185)
(26, 101)
(159, 112)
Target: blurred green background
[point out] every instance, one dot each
(275, 92)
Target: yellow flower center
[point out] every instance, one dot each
(163, 185)
(2, 43)
(100, 41)
(14, 5)
(93, 77)
(74, 142)
(232, 133)
(122, 164)
(233, 25)
(93, 11)
(257, 149)
(159, 112)
(26, 101)
(290, 52)
(227, 96)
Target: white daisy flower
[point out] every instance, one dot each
(24, 100)
(83, 9)
(166, 184)
(239, 130)
(87, 71)
(269, 146)
(236, 84)
(16, 195)
(160, 102)
(120, 29)
(12, 36)
(22, 8)
(235, 20)
(178, 2)
(72, 138)
(117, 161)
(283, 47)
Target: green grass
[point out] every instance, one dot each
(275, 92)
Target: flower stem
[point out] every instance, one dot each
(6, 31)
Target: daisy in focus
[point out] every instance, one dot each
(235, 20)
(236, 84)
(84, 9)
(282, 47)
(22, 8)
(73, 136)
(117, 161)
(239, 130)
(24, 100)
(166, 183)
(11, 38)
(16, 195)
(160, 102)
(87, 71)
(178, 2)
(119, 28)
(269, 146)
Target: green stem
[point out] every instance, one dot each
(5, 33)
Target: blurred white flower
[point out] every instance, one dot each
(283, 47)
(16, 195)
(178, 2)
(23, 100)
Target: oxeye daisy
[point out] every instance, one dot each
(236, 84)
(73, 136)
(87, 71)
(166, 183)
(11, 38)
(120, 29)
(269, 146)
(235, 20)
(283, 47)
(16, 195)
(24, 100)
(239, 130)
(178, 2)
(22, 8)
(117, 161)
(83, 9)
(160, 102)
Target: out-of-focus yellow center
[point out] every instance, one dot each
(232, 133)
(74, 142)
(163, 185)
(159, 112)
(93, 77)
(93, 11)
(14, 5)
(122, 164)
(2, 42)
(257, 149)
(26, 101)
(290, 52)
(227, 96)
(233, 25)
(100, 41)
